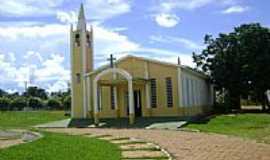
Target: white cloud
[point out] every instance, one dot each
(41, 31)
(33, 55)
(12, 57)
(110, 42)
(52, 69)
(22, 8)
(167, 20)
(171, 56)
(57, 86)
(236, 9)
(67, 17)
(170, 5)
(189, 44)
(105, 9)
(36, 58)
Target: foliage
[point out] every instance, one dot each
(59, 146)
(4, 104)
(67, 103)
(254, 126)
(3, 93)
(238, 62)
(54, 103)
(36, 92)
(21, 119)
(18, 103)
(36, 98)
(35, 103)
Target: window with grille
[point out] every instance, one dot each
(112, 99)
(153, 90)
(169, 92)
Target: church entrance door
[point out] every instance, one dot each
(137, 103)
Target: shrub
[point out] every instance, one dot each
(67, 103)
(35, 103)
(53, 104)
(18, 103)
(4, 104)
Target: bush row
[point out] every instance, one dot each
(20, 102)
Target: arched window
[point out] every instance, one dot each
(77, 40)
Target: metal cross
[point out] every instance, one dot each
(111, 59)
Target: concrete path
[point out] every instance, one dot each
(14, 137)
(188, 145)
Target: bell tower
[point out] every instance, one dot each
(81, 52)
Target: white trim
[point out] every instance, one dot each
(115, 92)
(179, 86)
(84, 70)
(130, 88)
(88, 80)
(147, 86)
(115, 97)
(71, 73)
(149, 60)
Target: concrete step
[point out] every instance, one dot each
(138, 146)
(143, 154)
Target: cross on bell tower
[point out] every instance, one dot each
(111, 59)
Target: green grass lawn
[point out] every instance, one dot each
(253, 126)
(14, 119)
(62, 147)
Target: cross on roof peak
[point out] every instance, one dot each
(111, 59)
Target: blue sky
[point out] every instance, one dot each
(34, 34)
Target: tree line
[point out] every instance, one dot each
(35, 98)
(238, 64)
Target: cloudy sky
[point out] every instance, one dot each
(34, 34)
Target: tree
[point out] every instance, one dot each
(36, 92)
(54, 104)
(238, 62)
(35, 103)
(4, 104)
(18, 103)
(3, 93)
(67, 103)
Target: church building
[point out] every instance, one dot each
(132, 86)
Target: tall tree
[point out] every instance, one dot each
(238, 62)
(36, 92)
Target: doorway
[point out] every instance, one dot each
(137, 103)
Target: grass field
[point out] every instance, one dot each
(253, 126)
(28, 119)
(62, 147)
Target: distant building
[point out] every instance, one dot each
(132, 86)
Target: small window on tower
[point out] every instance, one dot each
(78, 78)
(88, 40)
(77, 40)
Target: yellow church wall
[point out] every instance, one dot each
(106, 110)
(160, 73)
(136, 67)
(77, 88)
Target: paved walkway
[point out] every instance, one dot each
(15, 137)
(191, 146)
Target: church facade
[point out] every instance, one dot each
(132, 86)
